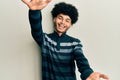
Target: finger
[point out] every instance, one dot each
(104, 76)
(25, 1)
(48, 1)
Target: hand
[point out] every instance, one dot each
(36, 4)
(97, 76)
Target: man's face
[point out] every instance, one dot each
(62, 23)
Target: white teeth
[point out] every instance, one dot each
(62, 26)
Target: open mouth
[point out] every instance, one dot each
(61, 26)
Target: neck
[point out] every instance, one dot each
(59, 33)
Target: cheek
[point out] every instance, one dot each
(54, 22)
(69, 25)
(55, 19)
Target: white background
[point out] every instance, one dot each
(98, 28)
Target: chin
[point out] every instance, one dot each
(58, 31)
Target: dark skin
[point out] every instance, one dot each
(41, 4)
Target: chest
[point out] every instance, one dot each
(57, 49)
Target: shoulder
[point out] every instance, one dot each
(73, 39)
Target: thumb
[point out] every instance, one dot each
(104, 76)
(48, 1)
(25, 1)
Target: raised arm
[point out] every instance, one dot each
(35, 18)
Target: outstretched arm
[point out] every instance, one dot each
(36, 4)
(82, 62)
(83, 66)
(35, 18)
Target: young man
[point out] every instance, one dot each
(59, 51)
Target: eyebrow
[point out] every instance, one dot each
(67, 18)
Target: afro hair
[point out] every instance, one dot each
(66, 9)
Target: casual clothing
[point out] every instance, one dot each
(59, 53)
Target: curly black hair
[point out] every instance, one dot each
(66, 9)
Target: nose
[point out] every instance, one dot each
(62, 21)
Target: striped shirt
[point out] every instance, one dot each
(59, 53)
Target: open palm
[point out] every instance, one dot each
(36, 4)
(97, 76)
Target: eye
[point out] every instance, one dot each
(68, 20)
(60, 17)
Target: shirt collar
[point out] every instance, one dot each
(56, 34)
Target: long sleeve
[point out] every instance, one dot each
(35, 20)
(82, 62)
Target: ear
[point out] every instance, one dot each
(54, 19)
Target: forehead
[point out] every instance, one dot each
(64, 16)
